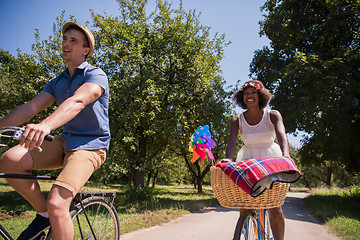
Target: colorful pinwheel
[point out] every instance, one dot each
(201, 143)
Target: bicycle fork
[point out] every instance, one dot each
(4, 233)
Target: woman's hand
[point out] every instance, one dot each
(225, 160)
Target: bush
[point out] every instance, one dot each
(140, 195)
(352, 191)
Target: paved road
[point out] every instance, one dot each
(218, 224)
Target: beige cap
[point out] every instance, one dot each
(87, 32)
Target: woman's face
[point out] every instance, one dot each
(251, 96)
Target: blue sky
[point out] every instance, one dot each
(237, 19)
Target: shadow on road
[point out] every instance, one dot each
(294, 208)
(218, 209)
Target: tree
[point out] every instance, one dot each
(21, 79)
(312, 66)
(165, 80)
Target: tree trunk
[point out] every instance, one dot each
(195, 182)
(307, 184)
(329, 175)
(139, 172)
(138, 178)
(149, 177)
(155, 178)
(199, 183)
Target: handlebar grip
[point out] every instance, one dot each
(49, 138)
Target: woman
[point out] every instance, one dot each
(258, 128)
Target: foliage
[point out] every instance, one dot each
(21, 78)
(140, 195)
(312, 66)
(352, 192)
(165, 82)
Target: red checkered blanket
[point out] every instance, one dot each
(254, 176)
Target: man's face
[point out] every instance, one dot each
(72, 46)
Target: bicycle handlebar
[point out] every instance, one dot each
(16, 133)
(25, 176)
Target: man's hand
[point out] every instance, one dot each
(34, 135)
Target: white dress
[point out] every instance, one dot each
(258, 139)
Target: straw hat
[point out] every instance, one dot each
(87, 32)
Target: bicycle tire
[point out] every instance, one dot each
(268, 235)
(102, 216)
(100, 211)
(246, 227)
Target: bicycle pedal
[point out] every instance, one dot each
(41, 236)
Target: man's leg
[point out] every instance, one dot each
(59, 201)
(78, 167)
(18, 160)
(277, 223)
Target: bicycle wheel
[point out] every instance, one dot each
(98, 217)
(246, 227)
(267, 229)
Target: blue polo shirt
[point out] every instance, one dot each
(89, 129)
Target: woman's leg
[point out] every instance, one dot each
(277, 223)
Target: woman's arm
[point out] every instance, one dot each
(280, 131)
(234, 130)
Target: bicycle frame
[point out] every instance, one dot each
(259, 231)
(258, 228)
(258, 225)
(4, 233)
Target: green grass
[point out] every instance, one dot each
(339, 209)
(139, 209)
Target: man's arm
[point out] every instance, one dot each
(27, 111)
(35, 133)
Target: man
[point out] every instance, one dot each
(81, 93)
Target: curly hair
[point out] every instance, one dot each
(264, 94)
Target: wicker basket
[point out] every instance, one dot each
(231, 195)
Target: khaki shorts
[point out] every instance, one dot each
(77, 165)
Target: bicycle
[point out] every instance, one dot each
(93, 213)
(254, 222)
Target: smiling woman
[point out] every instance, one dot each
(258, 127)
(256, 87)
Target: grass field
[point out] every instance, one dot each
(338, 209)
(136, 209)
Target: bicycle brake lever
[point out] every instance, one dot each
(18, 133)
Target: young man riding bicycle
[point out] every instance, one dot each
(82, 94)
